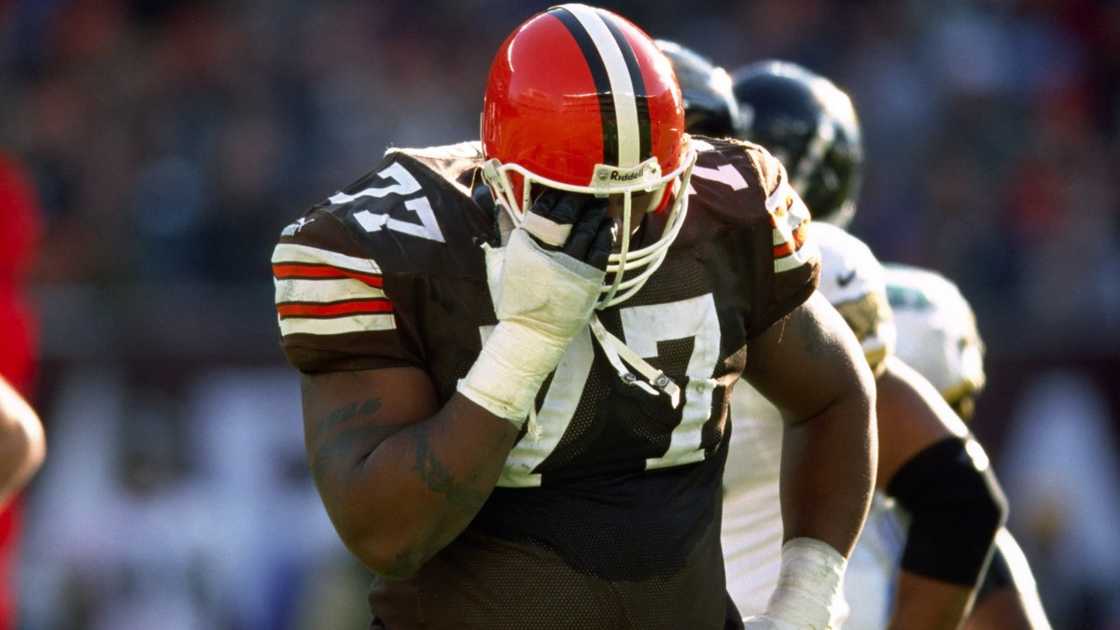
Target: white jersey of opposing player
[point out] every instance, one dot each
(937, 336)
(854, 282)
(937, 330)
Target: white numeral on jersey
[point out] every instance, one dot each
(725, 174)
(643, 327)
(428, 228)
(560, 404)
(403, 184)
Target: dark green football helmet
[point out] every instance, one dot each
(709, 105)
(810, 125)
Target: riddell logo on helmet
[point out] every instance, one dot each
(611, 175)
(617, 176)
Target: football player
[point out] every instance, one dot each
(938, 337)
(517, 355)
(808, 122)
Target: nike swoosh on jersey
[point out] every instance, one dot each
(846, 279)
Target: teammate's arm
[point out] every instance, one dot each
(22, 443)
(400, 475)
(931, 466)
(811, 367)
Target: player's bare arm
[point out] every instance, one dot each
(811, 367)
(399, 476)
(932, 467)
(22, 443)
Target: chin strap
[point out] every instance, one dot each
(655, 381)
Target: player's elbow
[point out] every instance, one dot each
(389, 552)
(391, 561)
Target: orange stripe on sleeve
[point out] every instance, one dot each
(312, 271)
(334, 309)
(800, 235)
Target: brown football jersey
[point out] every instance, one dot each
(607, 512)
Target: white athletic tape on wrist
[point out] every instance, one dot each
(810, 591)
(509, 371)
(547, 290)
(544, 298)
(546, 230)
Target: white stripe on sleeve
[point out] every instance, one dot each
(324, 290)
(292, 253)
(337, 325)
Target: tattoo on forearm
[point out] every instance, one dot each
(347, 412)
(339, 444)
(439, 479)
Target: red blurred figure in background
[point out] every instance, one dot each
(21, 436)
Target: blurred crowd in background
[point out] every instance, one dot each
(168, 142)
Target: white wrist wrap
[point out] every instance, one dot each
(810, 591)
(542, 300)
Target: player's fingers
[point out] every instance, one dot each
(583, 232)
(602, 245)
(569, 207)
(545, 202)
(548, 219)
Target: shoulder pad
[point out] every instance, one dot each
(848, 268)
(853, 280)
(451, 161)
(414, 213)
(742, 186)
(938, 335)
(732, 179)
(740, 197)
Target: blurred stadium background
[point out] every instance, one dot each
(168, 142)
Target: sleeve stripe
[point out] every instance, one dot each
(292, 253)
(806, 252)
(334, 309)
(309, 271)
(320, 290)
(337, 325)
(787, 264)
(799, 237)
